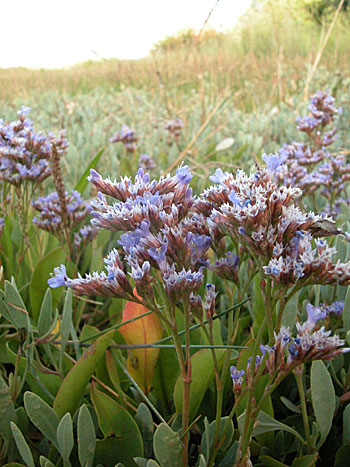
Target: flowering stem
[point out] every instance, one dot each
(266, 296)
(186, 384)
(232, 332)
(186, 388)
(248, 421)
(298, 373)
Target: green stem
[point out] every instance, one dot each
(298, 373)
(245, 436)
(232, 332)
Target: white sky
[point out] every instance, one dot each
(57, 33)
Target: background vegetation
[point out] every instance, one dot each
(247, 84)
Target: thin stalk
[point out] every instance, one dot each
(186, 393)
(232, 331)
(139, 390)
(298, 374)
(245, 436)
(196, 326)
(186, 384)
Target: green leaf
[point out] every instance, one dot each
(116, 422)
(270, 461)
(7, 411)
(141, 461)
(45, 462)
(290, 405)
(202, 462)
(342, 456)
(290, 311)
(305, 461)
(16, 307)
(167, 446)
(109, 451)
(82, 184)
(74, 384)
(346, 424)
(346, 311)
(42, 416)
(202, 375)
(45, 316)
(264, 423)
(22, 445)
(37, 379)
(65, 438)
(86, 437)
(323, 398)
(225, 439)
(258, 304)
(165, 375)
(144, 421)
(229, 459)
(38, 284)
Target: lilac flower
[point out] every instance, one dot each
(113, 284)
(314, 313)
(336, 308)
(209, 302)
(182, 284)
(85, 235)
(2, 224)
(235, 199)
(226, 267)
(163, 202)
(237, 379)
(60, 278)
(273, 161)
(158, 255)
(219, 177)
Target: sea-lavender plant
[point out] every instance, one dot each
(127, 136)
(174, 127)
(165, 243)
(309, 165)
(160, 254)
(65, 225)
(50, 217)
(25, 153)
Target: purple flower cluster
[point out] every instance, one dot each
(315, 313)
(323, 112)
(310, 166)
(24, 152)
(288, 352)
(174, 127)
(160, 240)
(84, 236)
(127, 136)
(261, 217)
(50, 217)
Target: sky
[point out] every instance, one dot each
(60, 33)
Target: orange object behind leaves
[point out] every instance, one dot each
(141, 362)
